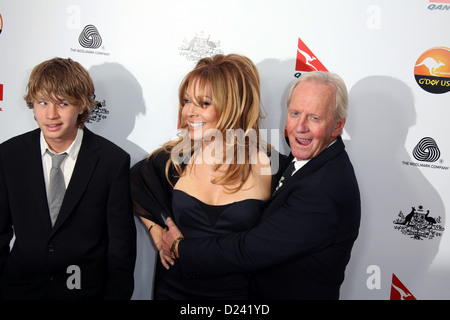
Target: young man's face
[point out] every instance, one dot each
(57, 120)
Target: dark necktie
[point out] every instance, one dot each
(286, 175)
(57, 185)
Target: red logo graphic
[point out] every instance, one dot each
(440, 1)
(306, 60)
(1, 92)
(399, 291)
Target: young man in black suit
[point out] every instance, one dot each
(85, 249)
(303, 243)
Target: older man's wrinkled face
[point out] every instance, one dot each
(311, 124)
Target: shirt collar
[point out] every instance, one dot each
(73, 149)
(300, 163)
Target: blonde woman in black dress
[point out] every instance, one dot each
(214, 178)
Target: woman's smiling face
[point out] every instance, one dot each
(199, 112)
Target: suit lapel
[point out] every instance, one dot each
(33, 167)
(313, 164)
(82, 172)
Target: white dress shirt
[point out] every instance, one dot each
(68, 163)
(300, 163)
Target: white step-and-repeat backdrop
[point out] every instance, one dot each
(393, 55)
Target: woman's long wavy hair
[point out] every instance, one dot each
(235, 88)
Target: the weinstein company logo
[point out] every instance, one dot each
(306, 60)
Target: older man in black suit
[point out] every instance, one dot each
(84, 247)
(302, 245)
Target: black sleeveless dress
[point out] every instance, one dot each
(196, 220)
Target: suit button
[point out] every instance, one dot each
(51, 248)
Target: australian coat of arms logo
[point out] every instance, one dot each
(419, 224)
(199, 47)
(99, 113)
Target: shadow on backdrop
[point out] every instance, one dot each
(276, 78)
(380, 114)
(122, 101)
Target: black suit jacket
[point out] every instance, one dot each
(302, 245)
(95, 229)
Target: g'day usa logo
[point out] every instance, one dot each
(432, 70)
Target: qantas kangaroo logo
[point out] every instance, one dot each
(399, 291)
(306, 60)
